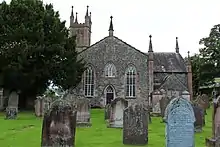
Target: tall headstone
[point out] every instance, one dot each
(179, 118)
(1, 99)
(39, 106)
(12, 109)
(83, 112)
(199, 116)
(59, 125)
(156, 97)
(135, 125)
(163, 104)
(215, 140)
(117, 107)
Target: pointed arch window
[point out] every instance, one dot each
(131, 81)
(89, 82)
(110, 70)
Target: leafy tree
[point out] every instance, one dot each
(35, 48)
(210, 55)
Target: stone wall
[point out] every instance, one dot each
(111, 49)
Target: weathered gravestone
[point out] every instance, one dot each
(163, 104)
(83, 112)
(179, 118)
(156, 110)
(135, 125)
(39, 106)
(215, 140)
(117, 107)
(47, 102)
(156, 97)
(59, 125)
(12, 109)
(199, 118)
(107, 112)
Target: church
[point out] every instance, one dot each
(116, 69)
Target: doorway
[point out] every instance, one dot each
(109, 94)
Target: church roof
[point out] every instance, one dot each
(116, 39)
(172, 82)
(169, 62)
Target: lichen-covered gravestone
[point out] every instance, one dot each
(59, 125)
(117, 107)
(135, 125)
(199, 116)
(83, 112)
(12, 109)
(179, 118)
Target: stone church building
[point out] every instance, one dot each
(117, 69)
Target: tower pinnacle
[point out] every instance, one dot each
(111, 30)
(150, 45)
(177, 45)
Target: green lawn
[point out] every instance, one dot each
(26, 132)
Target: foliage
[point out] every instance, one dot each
(195, 62)
(210, 54)
(35, 48)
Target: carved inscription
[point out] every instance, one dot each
(180, 124)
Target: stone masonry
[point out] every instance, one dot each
(154, 70)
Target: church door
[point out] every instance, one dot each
(109, 94)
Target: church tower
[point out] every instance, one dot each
(82, 31)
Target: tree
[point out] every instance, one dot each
(210, 55)
(35, 48)
(195, 62)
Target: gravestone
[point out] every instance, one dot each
(179, 118)
(163, 104)
(117, 107)
(214, 142)
(12, 109)
(107, 112)
(83, 112)
(156, 97)
(156, 110)
(39, 106)
(135, 125)
(59, 125)
(199, 117)
(1, 99)
(47, 102)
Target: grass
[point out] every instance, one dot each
(26, 132)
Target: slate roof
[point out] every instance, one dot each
(116, 39)
(169, 62)
(172, 82)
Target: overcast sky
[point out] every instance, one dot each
(135, 20)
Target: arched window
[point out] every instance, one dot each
(110, 70)
(89, 82)
(131, 82)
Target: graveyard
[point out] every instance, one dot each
(26, 131)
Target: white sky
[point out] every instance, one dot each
(135, 20)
